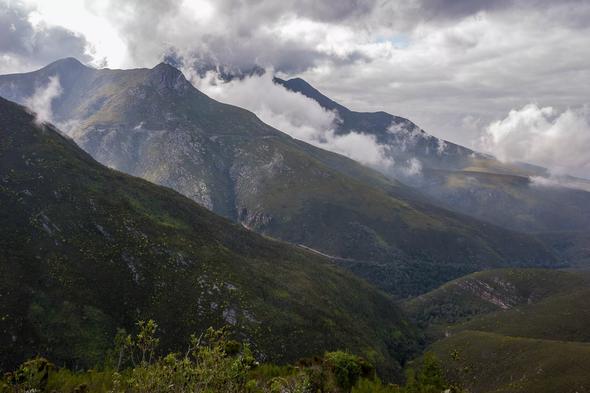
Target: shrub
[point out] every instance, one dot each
(347, 368)
(31, 376)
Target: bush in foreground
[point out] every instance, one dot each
(214, 363)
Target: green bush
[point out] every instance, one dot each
(31, 376)
(205, 367)
(365, 385)
(347, 368)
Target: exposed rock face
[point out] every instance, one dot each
(503, 294)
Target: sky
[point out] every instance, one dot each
(506, 77)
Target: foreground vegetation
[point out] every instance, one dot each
(213, 362)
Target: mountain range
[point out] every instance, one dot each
(516, 196)
(85, 250)
(154, 124)
(147, 199)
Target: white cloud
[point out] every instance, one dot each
(544, 136)
(40, 101)
(292, 113)
(444, 64)
(414, 168)
(560, 181)
(479, 65)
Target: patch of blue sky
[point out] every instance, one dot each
(400, 41)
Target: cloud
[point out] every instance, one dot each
(41, 100)
(412, 169)
(240, 34)
(555, 181)
(544, 136)
(480, 65)
(292, 113)
(448, 65)
(25, 45)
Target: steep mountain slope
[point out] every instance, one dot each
(154, 124)
(511, 330)
(85, 249)
(466, 181)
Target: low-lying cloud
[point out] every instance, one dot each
(554, 181)
(41, 100)
(292, 113)
(544, 136)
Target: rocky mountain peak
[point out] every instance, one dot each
(164, 76)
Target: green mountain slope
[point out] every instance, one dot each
(488, 362)
(490, 291)
(563, 317)
(511, 330)
(85, 249)
(513, 198)
(154, 124)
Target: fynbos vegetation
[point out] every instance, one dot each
(213, 362)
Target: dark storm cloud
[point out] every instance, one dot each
(25, 45)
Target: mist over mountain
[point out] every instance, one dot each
(518, 196)
(254, 196)
(405, 143)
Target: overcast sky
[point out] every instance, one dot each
(475, 72)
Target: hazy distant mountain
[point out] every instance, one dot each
(85, 250)
(404, 140)
(154, 124)
(516, 196)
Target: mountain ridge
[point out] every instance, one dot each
(154, 124)
(516, 196)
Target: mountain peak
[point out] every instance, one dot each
(299, 85)
(166, 76)
(166, 68)
(67, 63)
